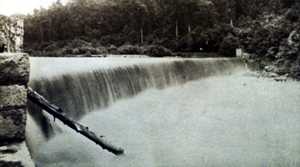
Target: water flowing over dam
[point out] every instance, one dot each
(85, 85)
(165, 113)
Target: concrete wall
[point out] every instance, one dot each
(14, 76)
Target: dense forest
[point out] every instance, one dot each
(180, 25)
(267, 29)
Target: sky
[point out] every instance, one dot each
(9, 7)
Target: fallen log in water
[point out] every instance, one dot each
(58, 113)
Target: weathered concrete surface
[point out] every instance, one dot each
(16, 155)
(14, 69)
(12, 126)
(12, 97)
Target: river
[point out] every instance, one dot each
(228, 120)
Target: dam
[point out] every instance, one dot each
(168, 112)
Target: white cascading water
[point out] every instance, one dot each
(87, 84)
(224, 120)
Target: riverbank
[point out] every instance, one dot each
(81, 48)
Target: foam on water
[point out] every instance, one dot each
(232, 121)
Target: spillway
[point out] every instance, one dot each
(85, 85)
(165, 113)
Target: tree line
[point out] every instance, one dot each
(175, 24)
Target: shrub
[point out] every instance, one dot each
(129, 49)
(77, 43)
(156, 51)
(228, 46)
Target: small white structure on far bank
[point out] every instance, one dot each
(241, 54)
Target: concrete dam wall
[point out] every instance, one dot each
(87, 85)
